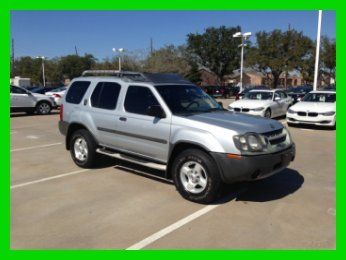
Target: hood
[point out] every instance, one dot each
(248, 103)
(318, 107)
(237, 122)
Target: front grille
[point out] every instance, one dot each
(276, 137)
(301, 113)
(312, 114)
(245, 110)
(237, 109)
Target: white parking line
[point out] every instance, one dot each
(307, 129)
(163, 232)
(48, 178)
(34, 147)
(32, 137)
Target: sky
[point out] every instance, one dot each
(56, 33)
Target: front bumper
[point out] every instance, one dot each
(319, 120)
(253, 167)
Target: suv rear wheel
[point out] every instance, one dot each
(196, 176)
(83, 148)
(43, 108)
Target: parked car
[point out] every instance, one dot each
(57, 94)
(316, 108)
(22, 100)
(214, 91)
(241, 94)
(330, 88)
(265, 103)
(298, 93)
(174, 126)
(41, 90)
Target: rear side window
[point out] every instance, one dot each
(76, 91)
(138, 99)
(105, 95)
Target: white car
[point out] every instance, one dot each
(265, 103)
(22, 100)
(57, 94)
(316, 108)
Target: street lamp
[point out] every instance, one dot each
(120, 50)
(244, 37)
(43, 75)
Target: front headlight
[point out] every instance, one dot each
(290, 111)
(330, 113)
(258, 109)
(250, 142)
(230, 109)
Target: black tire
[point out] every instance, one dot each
(43, 108)
(91, 157)
(214, 182)
(268, 113)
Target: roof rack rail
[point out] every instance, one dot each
(139, 76)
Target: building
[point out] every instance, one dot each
(208, 78)
(20, 82)
(250, 77)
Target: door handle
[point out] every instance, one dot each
(122, 119)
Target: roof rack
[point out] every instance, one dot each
(139, 76)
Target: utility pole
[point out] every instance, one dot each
(151, 46)
(12, 56)
(318, 40)
(75, 48)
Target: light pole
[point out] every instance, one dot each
(120, 50)
(244, 37)
(43, 75)
(318, 40)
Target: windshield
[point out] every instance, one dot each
(186, 99)
(258, 95)
(320, 97)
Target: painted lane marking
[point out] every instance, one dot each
(48, 179)
(34, 147)
(163, 232)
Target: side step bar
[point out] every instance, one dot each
(157, 166)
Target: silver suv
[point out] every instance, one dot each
(165, 122)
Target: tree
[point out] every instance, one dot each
(328, 56)
(279, 52)
(216, 49)
(72, 66)
(169, 59)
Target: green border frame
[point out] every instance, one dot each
(8, 5)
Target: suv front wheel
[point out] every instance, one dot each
(83, 148)
(196, 176)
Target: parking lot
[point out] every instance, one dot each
(55, 204)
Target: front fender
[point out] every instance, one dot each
(197, 137)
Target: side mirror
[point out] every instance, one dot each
(156, 111)
(29, 93)
(277, 98)
(220, 103)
